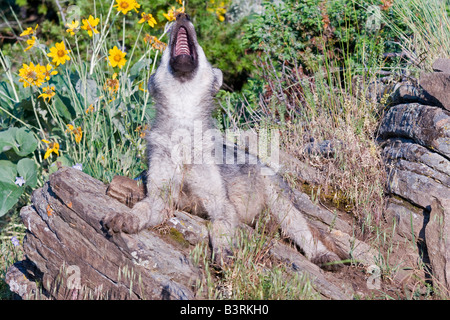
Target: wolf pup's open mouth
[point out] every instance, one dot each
(183, 55)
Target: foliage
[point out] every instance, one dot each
(18, 172)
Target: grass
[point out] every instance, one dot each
(251, 275)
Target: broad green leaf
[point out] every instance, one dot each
(27, 169)
(87, 89)
(7, 139)
(8, 171)
(25, 142)
(9, 194)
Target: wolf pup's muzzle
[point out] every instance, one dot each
(183, 42)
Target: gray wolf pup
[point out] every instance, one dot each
(183, 88)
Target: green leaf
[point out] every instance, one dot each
(88, 90)
(63, 161)
(7, 139)
(28, 170)
(8, 171)
(9, 194)
(21, 140)
(26, 143)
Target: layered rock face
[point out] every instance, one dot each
(415, 135)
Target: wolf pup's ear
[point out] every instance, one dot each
(218, 80)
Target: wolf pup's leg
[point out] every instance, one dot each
(154, 209)
(317, 247)
(206, 183)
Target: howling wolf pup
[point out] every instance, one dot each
(183, 87)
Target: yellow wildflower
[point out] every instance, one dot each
(77, 132)
(219, 10)
(53, 147)
(117, 57)
(126, 5)
(29, 31)
(30, 43)
(155, 43)
(59, 53)
(171, 15)
(90, 109)
(112, 84)
(89, 25)
(149, 18)
(72, 26)
(32, 75)
(142, 131)
(48, 92)
(48, 73)
(140, 87)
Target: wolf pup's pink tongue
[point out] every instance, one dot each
(182, 46)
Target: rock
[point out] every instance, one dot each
(360, 252)
(427, 162)
(437, 85)
(410, 221)
(326, 148)
(426, 125)
(19, 282)
(437, 236)
(412, 169)
(409, 91)
(70, 255)
(442, 65)
(76, 258)
(299, 263)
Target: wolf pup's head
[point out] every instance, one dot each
(184, 62)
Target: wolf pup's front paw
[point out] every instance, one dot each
(122, 223)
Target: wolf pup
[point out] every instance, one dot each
(183, 87)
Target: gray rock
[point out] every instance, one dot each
(437, 85)
(410, 221)
(426, 125)
(442, 65)
(407, 155)
(68, 252)
(437, 235)
(409, 91)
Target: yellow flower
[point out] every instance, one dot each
(140, 87)
(172, 14)
(112, 84)
(117, 57)
(28, 31)
(48, 92)
(30, 43)
(127, 5)
(59, 53)
(77, 132)
(32, 75)
(53, 147)
(149, 18)
(154, 41)
(72, 26)
(141, 131)
(90, 109)
(89, 25)
(219, 10)
(47, 72)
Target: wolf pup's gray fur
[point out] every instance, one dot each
(183, 87)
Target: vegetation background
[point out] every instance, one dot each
(73, 93)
